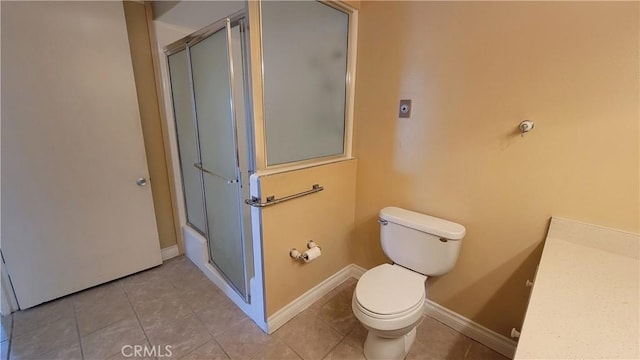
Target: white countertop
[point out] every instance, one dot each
(585, 299)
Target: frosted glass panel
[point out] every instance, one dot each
(210, 67)
(305, 64)
(225, 238)
(210, 71)
(187, 142)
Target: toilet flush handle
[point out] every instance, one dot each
(383, 222)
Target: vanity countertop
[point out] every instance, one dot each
(585, 298)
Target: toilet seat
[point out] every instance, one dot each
(389, 292)
(416, 307)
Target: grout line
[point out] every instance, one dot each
(317, 317)
(113, 322)
(284, 341)
(198, 347)
(124, 289)
(222, 333)
(213, 337)
(337, 332)
(333, 348)
(221, 348)
(191, 314)
(10, 339)
(466, 353)
(292, 349)
(197, 318)
(75, 317)
(332, 327)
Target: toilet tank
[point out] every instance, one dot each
(420, 242)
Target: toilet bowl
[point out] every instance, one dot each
(389, 298)
(388, 301)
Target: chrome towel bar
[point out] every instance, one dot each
(199, 167)
(271, 200)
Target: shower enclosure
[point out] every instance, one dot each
(299, 116)
(207, 80)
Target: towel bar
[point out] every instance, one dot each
(199, 167)
(271, 200)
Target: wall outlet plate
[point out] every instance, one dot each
(404, 110)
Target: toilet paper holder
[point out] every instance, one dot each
(294, 253)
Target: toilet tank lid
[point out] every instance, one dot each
(425, 223)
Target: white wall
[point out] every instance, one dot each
(195, 14)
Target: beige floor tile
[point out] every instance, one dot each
(103, 312)
(349, 283)
(179, 264)
(44, 338)
(309, 336)
(276, 350)
(147, 283)
(421, 351)
(345, 351)
(337, 312)
(5, 327)
(243, 340)
(183, 335)
(478, 351)
(70, 351)
(210, 351)
(30, 319)
(205, 297)
(191, 279)
(143, 292)
(220, 318)
(97, 294)
(357, 336)
(177, 305)
(435, 340)
(163, 307)
(155, 276)
(109, 341)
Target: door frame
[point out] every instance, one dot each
(8, 301)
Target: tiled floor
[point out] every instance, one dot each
(175, 304)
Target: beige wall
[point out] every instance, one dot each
(353, 3)
(325, 217)
(140, 45)
(474, 71)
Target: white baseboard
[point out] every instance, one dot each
(305, 300)
(169, 252)
(357, 271)
(477, 332)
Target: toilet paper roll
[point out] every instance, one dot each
(312, 254)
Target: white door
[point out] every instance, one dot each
(72, 150)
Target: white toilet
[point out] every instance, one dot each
(388, 299)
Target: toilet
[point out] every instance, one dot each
(388, 299)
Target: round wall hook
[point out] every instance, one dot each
(525, 126)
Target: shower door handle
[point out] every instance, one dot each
(199, 167)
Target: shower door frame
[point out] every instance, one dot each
(261, 163)
(226, 24)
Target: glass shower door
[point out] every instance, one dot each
(212, 74)
(187, 142)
